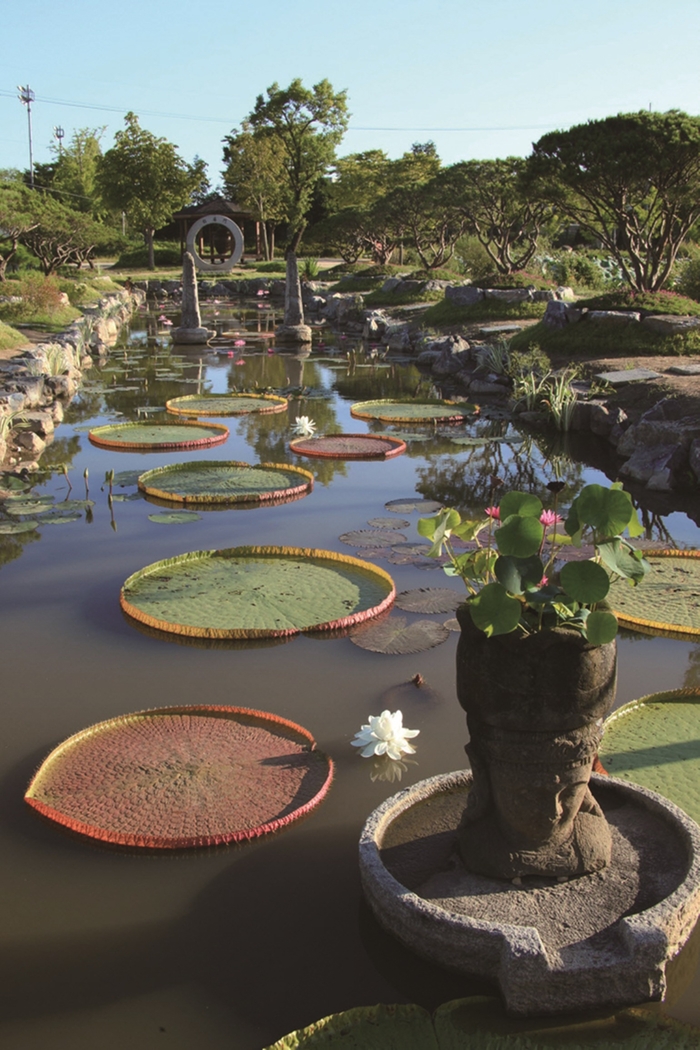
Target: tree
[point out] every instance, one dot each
(145, 177)
(305, 126)
(632, 181)
(255, 178)
(16, 216)
(59, 235)
(498, 210)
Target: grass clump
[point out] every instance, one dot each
(645, 303)
(632, 340)
(41, 302)
(447, 312)
(81, 292)
(273, 266)
(398, 298)
(10, 338)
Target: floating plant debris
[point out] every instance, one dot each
(182, 777)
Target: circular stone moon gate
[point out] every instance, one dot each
(236, 234)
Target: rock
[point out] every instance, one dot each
(454, 344)
(508, 295)
(543, 295)
(40, 423)
(398, 337)
(293, 330)
(32, 387)
(391, 284)
(375, 324)
(434, 285)
(694, 458)
(558, 314)
(30, 442)
(62, 386)
(628, 375)
(278, 290)
(484, 386)
(427, 358)
(56, 410)
(344, 306)
(656, 465)
(500, 329)
(463, 294)
(564, 292)
(684, 370)
(616, 317)
(314, 303)
(667, 324)
(190, 331)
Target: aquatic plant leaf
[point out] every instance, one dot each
(175, 517)
(381, 1027)
(411, 503)
(56, 518)
(225, 404)
(388, 523)
(413, 549)
(395, 637)
(494, 611)
(668, 599)
(182, 777)
(29, 506)
(585, 581)
(155, 436)
(220, 481)
(522, 503)
(349, 446)
(371, 537)
(12, 527)
(601, 627)
(519, 536)
(655, 742)
(410, 411)
(608, 511)
(518, 574)
(125, 478)
(127, 497)
(409, 436)
(253, 592)
(429, 600)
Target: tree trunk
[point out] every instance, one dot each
(148, 238)
(266, 243)
(272, 241)
(295, 241)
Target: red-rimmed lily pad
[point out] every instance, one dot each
(655, 742)
(225, 404)
(158, 436)
(395, 637)
(371, 537)
(220, 481)
(181, 777)
(411, 503)
(409, 411)
(349, 446)
(256, 592)
(667, 601)
(429, 600)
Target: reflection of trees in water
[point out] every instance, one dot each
(465, 482)
(86, 406)
(654, 527)
(375, 384)
(11, 546)
(691, 678)
(269, 434)
(61, 451)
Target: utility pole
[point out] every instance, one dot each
(58, 134)
(26, 97)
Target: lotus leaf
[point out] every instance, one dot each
(371, 537)
(395, 638)
(29, 506)
(414, 411)
(668, 601)
(182, 776)
(655, 742)
(156, 436)
(252, 592)
(225, 404)
(218, 481)
(429, 600)
(57, 518)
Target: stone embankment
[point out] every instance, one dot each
(38, 382)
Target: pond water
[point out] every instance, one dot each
(232, 948)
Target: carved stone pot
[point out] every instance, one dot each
(535, 706)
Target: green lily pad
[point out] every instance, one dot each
(668, 599)
(371, 537)
(125, 478)
(217, 481)
(12, 527)
(157, 436)
(388, 523)
(175, 517)
(127, 497)
(411, 503)
(255, 592)
(655, 742)
(476, 442)
(58, 518)
(28, 506)
(410, 411)
(225, 404)
(410, 436)
(429, 600)
(395, 637)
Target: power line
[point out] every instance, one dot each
(229, 121)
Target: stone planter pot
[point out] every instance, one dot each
(535, 706)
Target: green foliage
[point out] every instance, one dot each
(472, 258)
(41, 302)
(632, 181)
(688, 283)
(532, 360)
(255, 177)
(643, 302)
(308, 269)
(597, 341)
(446, 312)
(399, 298)
(520, 588)
(164, 254)
(10, 338)
(145, 177)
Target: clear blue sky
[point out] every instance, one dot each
(411, 68)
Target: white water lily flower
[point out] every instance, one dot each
(304, 426)
(385, 735)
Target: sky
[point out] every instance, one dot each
(480, 79)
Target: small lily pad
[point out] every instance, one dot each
(395, 637)
(411, 503)
(388, 523)
(371, 537)
(124, 478)
(28, 506)
(409, 436)
(174, 517)
(477, 442)
(127, 497)
(12, 527)
(452, 624)
(412, 548)
(57, 518)
(429, 600)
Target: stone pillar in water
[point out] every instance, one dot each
(190, 329)
(293, 330)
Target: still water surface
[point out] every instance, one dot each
(231, 948)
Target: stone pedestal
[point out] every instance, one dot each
(293, 330)
(190, 330)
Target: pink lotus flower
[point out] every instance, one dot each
(260, 291)
(241, 362)
(216, 313)
(543, 582)
(168, 323)
(493, 512)
(216, 302)
(548, 517)
(162, 317)
(239, 342)
(229, 353)
(270, 350)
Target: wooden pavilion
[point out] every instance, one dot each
(215, 242)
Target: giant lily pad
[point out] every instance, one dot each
(181, 777)
(667, 601)
(225, 404)
(349, 446)
(256, 592)
(655, 742)
(430, 600)
(157, 436)
(218, 481)
(388, 523)
(410, 411)
(395, 638)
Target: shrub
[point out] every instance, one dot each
(688, 283)
(166, 254)
(273, 266)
